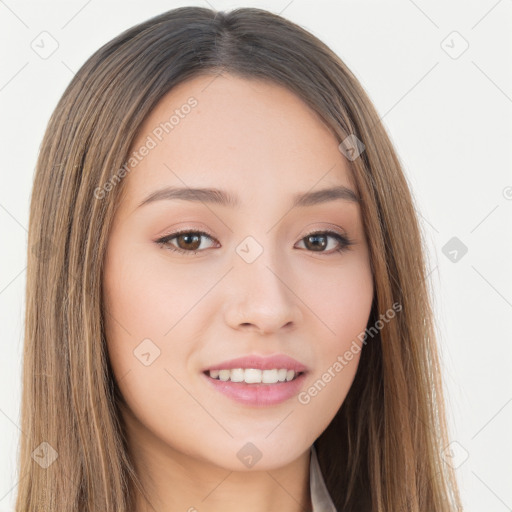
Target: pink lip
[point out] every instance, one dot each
(258, 395)
(261, 363)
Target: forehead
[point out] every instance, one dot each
(232, 132)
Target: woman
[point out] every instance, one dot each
(228, 306)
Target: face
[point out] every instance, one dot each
(258, 275)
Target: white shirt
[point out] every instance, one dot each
(320, 497)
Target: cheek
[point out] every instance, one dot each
(139, 311)
(342, 303)
(142, 298)
(141, 324)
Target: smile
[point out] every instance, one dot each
(254, 375)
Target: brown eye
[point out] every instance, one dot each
(187, 242)
(318, 241)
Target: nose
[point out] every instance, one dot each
(263, 297)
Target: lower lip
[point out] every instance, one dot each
(258, 395)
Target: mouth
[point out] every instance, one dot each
(253, 387)
(254, 375)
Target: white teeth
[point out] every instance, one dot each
(224, 374)
(269, 377)
(253, 375)
(237, 375)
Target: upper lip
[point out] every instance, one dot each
(261, 363)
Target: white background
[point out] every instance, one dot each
(449, 119)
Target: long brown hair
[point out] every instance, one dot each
(382, 451)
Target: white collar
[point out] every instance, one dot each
(320, 497)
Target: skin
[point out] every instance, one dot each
(259, 141)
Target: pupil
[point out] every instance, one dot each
(188, 238)
(316, 237)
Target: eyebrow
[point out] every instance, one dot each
(224, 198)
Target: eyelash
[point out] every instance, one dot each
(344, 241)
